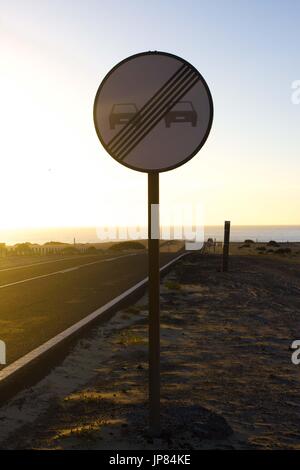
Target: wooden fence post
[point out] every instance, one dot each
(226, 245)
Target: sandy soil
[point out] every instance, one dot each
(227, 376)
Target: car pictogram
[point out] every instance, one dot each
(122, 113)
(183, 111)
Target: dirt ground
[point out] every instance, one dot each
(227, 377)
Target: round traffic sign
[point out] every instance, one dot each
(153, 112)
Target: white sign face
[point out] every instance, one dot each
(153, 112)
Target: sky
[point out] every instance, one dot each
(53, 56)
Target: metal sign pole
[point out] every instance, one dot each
(154, 304)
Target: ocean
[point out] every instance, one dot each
(239, 233)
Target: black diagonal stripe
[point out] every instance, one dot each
(149, 115)
(131, 134)
(157, 118)
(154, 123)
(154, 107)
(182, 70)
(137, 116)
(171, 98)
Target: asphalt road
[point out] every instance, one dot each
(39, 301)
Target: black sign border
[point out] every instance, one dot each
(134, 56)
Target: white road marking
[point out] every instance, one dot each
(65, 270)
(68, 270)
